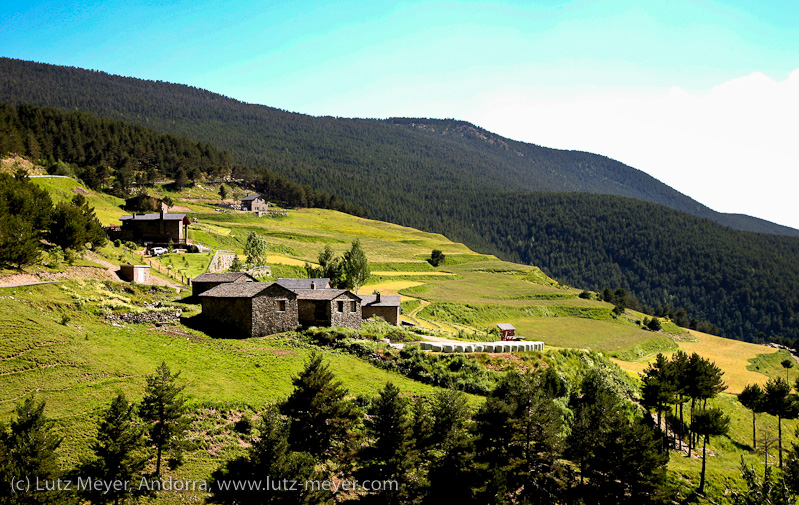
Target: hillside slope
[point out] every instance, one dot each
(448, 177)
(377, 163)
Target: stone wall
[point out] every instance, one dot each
(266, 319)
(346, 318)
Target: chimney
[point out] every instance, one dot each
(313, 285)
(377, 299)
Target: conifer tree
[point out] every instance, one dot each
(30, 451)
(118, 450)
(708, 422)
(519, 460)
(269, 456)
(753, 398)
(782, 404)
(389, 455)
(163, 407)
(320, 419)
(657, 388)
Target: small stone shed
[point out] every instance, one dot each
(254, 203)
(140, 274)
(328, 307)
(385, 306)
(254, 309)
(206, 281)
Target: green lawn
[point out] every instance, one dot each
(107, 208)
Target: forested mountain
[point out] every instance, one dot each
(383, 165)
(114, 155)
(741, 281)
(494, 194)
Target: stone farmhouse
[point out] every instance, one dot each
(157, 228)
(261, 308)
(255, 309)
(254, 203)
(206, 281)
(329, 307)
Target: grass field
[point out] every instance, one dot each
(53, 346)
(55, 343)
(107, 208)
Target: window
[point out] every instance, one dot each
(341, 305)
(353, 306)
(281, 305)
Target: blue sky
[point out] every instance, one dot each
(700, 94)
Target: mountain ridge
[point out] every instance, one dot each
(339, 153)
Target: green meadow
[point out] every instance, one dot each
(57, 344)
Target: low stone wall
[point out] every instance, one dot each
(492, 347)
(146, 317)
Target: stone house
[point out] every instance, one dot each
(254, 309)
(206, 281)
(328, 307)
(385, 306)
(159, 228)
(254, 203)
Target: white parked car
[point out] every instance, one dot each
(158, 251)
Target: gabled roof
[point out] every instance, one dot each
(154, 217)
(322, 294)
(249, 198)
(505, 326)
(224, 277)
(240, 290)
(293, 284)
(385, 300)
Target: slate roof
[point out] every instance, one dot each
(249, 198)
(319, 294)
(239, 290)
(385, 300)
(294, 284)
(153, 217)
(505, 326)
(223, 277)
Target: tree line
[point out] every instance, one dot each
(118, 157)
(27, 216)
(519, 446)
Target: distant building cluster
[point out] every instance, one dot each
(238, 301)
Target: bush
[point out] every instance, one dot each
(243, 425)
(654, 324)
(436, 258)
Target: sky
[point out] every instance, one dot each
(703, 95)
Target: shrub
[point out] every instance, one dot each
(243, 425)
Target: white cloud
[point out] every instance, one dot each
(733, 147)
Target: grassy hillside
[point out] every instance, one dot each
(493, 194)
(57, 344)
